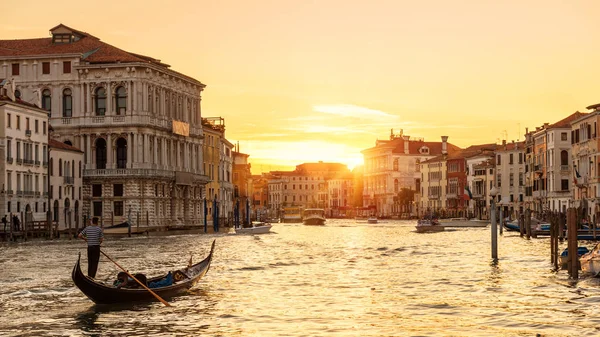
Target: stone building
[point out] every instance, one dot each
(393, 165)
(137, 121)
(218, 165)
(586, 163)
(66, 193)
(24, 163)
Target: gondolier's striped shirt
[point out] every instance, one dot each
(93, 234)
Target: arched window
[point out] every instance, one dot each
(157, 100)
(101, 153)
(100, 102)
(55, 215)
(60, 167)
(46, 100)
(121, 153)
(564, 157)
(121, 98)
(68, 142)
(67, 103)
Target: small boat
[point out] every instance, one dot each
(429, 225)
(180, 281)
(258, 227)
(564, 258)
(314, 217)
(372, 219)
(590, 262)
(463, 222)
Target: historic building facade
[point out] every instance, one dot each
(137, 121)
(510, 177)
(66, 191)
(586, 163)
(394, 164)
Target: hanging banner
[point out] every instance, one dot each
(181, 128)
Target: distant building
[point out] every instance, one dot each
(394, 164)
(510, 178)
(586, 165)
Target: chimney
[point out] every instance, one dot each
(444, 144)
(504, 143)
(406, 140)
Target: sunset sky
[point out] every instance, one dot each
(301, 81)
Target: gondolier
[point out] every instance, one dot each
(94, 236)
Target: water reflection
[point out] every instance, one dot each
(344, 279)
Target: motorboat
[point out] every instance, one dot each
(372, 219)
(463, 222)
(429, 225)
(314, 217)
(590, 262)
(564, 256)
(257, 227)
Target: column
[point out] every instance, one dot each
(109, 152)
(146, 151)
(155, 151)
(139, 141)
(88, 93)
(129, 152)
(88, 151)
(109, 99)
(82, 111)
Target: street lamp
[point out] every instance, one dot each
(493, 193)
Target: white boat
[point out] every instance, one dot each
(372, 219)
(463, 222)
(426, 225)
(590, 262)
(314, 217)
(257, 228)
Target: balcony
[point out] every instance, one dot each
(9, 160)
(9, 192)
(28, 133)
(45, 163)
(29, 193)
(37, 163)
(564, 168)
(19, 161)
(109, 173)
(68, 180)
(28, 161)
(537, 168)
(452, 195)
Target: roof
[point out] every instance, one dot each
(414, 145)
(471, 151)
(18, 101)
(55, 144)
(88, 47)
(566, 122)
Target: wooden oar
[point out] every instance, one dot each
(143, 285)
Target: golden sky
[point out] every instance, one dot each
(307, 80)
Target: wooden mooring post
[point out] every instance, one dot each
(554, 256)
(573, 261)
(521, 224)
(528, 223)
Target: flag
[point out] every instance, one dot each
(468, 195)
(577, 176)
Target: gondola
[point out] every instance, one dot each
(102, 293)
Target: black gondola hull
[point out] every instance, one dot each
(100, 293)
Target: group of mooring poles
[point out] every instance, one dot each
(557, 233)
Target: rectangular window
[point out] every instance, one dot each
(510, 159)
(44, 127)
(520, 158)
(118, 208)
(27, 124)
(563, 136)
(98, 208)
(18, 122)
(15, 69)
(564, 184)
(118, 190)
(45, 68)
(18, 150)
(66, 67)
(37, 126)
(59, 192)
(96, 190)
(8, 119)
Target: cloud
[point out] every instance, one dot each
(349, 110)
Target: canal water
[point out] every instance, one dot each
(343, 279)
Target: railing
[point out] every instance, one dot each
(37, 162)
(28, 161)
(68, 180)
(29, 193)
(452, 195)
(9, 192)
(45, 163)
(564, 167)
(66, 120)
(19, 161)
(128, 173)
(28, 133)
(9, 160)
(19, 193)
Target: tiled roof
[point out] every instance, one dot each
(55, 144)
(566, 122)
(88, 47)
(435, 148)
(4, 98)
